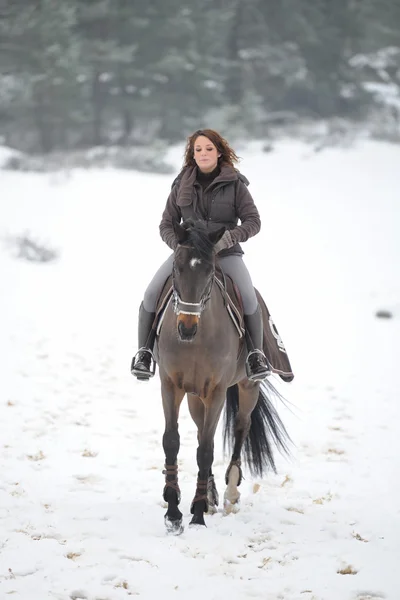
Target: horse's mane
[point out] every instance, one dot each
(198, 238)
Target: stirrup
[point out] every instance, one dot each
(138, 373)
(257, 376)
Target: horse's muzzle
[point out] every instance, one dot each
(187, 327)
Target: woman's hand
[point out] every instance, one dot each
(224, 243)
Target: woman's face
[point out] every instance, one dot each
(205, 154)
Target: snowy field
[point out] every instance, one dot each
(81, 513)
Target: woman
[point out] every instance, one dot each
(209, 188)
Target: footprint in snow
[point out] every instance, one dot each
(89, 479)
(78, 595)
(370, 596)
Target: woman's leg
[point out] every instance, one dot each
(155, 286)
(141, 363)
(237, 270)
(235, 267)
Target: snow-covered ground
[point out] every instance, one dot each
(81, 514)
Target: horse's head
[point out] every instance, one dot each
(193, 273)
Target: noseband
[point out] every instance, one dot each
(191, 308)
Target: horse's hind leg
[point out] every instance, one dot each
(197, 412)
(205, 454)
(248, 397)
(172, 398)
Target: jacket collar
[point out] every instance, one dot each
(188, 180)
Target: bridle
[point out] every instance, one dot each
(191, 308)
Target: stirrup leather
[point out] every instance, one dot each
(143, 374)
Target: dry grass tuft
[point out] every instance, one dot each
(73, 555)
(349, 570)
(36, 457)
(122, 584)
(89, 454)
(286, 480)
(265, 562)
(296, 510)
(323, 499)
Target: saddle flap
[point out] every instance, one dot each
(162, 303)
(273, 346)
(232, 298)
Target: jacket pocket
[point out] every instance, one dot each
(222, 207)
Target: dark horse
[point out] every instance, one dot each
(201, 354)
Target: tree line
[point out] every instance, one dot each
(81, 73)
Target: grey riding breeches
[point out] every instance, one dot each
(155, 286)
(232, 265)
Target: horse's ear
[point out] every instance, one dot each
(215, 236)
(180, 232)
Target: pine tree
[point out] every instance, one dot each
(39, 54)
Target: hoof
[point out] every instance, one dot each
(174, 527)
(231, 507)
(212, 509)
(197, 520)
(197, 526)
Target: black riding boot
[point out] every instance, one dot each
(141, 362)
(256, 362)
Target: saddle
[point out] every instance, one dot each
(273, 346)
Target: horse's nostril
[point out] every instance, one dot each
(187, 332)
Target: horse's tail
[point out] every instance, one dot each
(266, 430)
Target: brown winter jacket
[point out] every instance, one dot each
(223, 202)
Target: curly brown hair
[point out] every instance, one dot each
(228, 155)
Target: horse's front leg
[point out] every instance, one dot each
(197, 411)
(205, 455)
(172, 397)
